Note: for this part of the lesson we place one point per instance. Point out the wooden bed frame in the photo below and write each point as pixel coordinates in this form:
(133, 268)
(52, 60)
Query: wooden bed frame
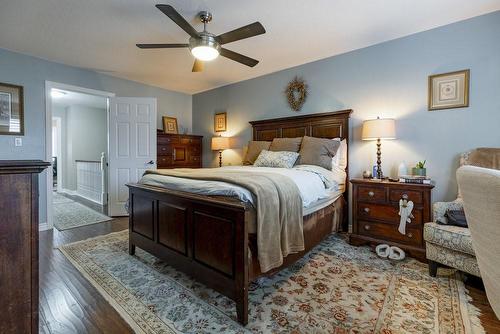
(206, 237)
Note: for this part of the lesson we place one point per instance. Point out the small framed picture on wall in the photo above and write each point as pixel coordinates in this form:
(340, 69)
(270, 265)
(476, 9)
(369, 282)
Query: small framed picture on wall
(220, 122)
(170, 125)
(449, 90)
(11, 110)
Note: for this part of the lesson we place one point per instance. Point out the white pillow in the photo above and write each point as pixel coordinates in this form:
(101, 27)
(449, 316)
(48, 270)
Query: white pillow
(340, 158)
(278, 159)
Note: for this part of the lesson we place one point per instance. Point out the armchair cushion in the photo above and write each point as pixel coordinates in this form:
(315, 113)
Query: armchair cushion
(439, 209)
(450, 237)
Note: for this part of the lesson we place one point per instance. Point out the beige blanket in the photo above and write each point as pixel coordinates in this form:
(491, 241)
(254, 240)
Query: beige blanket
(278, 207)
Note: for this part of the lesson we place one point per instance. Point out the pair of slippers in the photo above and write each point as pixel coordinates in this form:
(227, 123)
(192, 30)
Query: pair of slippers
(390, 252)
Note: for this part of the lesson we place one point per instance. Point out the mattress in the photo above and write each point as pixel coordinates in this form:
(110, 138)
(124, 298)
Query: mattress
(314, 183)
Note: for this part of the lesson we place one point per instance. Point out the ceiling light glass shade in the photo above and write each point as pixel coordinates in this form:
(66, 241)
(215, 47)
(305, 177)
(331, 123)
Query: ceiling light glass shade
(204, 48)
(205, 53)
(56, 93)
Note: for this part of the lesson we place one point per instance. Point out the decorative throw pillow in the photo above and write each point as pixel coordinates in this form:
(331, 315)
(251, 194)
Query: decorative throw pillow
(318, 151)
(286, 144)
(283, 159)
(340, 158)
(254, 149)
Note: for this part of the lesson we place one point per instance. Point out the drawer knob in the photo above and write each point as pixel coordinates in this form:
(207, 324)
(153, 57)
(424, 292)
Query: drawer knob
(371, 194)
(367, 210)
(410, 235)
(367, 227)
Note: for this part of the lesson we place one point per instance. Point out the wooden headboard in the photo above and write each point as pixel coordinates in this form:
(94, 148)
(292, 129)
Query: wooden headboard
(324, 125)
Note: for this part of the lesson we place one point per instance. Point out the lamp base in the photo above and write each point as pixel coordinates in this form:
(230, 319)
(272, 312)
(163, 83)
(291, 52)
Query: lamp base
(380, 174)
(220, 158)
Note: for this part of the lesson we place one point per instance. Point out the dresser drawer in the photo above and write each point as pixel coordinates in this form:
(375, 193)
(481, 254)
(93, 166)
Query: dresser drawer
(164, 150)
(195, 160)
(415, 196)
(371, 194)
(190, 141)
(386, 213)
(390, 232)
(164, 161)
(164, 140)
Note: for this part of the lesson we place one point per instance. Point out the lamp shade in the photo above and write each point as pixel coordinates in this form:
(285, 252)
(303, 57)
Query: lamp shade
(380, 128)
(220, 143)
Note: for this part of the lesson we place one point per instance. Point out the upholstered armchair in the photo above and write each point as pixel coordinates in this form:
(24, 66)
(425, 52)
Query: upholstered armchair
(481, 194)
(452, 245)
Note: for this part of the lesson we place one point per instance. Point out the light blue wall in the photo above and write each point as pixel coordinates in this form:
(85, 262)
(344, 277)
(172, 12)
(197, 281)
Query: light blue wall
(387, 80)
(32, 73)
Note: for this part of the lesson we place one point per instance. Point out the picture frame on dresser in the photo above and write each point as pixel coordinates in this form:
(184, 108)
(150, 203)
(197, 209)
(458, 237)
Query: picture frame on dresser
(170, 125)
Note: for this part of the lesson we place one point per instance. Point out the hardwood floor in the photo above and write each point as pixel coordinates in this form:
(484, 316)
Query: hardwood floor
(69, 304)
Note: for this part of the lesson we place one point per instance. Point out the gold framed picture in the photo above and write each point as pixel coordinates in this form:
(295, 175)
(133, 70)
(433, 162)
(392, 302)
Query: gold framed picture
(449, 90)
(170, 125)
(11, 110)
(220, 122)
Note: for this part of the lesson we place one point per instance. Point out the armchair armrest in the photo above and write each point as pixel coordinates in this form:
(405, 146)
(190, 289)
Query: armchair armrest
(439, 209)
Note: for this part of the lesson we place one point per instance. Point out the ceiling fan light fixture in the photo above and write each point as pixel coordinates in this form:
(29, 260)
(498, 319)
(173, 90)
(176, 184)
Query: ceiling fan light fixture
(205, 53)
(205, 48)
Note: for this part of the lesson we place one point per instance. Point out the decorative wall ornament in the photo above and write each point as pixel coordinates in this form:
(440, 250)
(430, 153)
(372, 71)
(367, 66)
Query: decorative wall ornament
(296, 93)
(449, 90)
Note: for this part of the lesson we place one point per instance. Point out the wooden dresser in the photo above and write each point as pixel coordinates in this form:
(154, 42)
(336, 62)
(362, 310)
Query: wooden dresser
(375, 212)
(179, 151)
(19, 245)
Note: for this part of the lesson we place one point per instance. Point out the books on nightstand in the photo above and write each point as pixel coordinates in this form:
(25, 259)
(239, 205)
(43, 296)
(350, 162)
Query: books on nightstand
(415, 179)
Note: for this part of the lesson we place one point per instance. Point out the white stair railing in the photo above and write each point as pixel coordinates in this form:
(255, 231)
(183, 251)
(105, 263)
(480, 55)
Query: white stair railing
(90, 180)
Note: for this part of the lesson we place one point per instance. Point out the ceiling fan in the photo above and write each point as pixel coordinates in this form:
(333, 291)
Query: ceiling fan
(206, 46)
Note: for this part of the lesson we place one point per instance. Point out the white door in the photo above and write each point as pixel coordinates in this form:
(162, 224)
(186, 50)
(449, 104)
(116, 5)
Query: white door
(132, 146)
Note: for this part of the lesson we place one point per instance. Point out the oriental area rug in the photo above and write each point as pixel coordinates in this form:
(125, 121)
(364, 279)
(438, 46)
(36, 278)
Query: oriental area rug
(335, 288)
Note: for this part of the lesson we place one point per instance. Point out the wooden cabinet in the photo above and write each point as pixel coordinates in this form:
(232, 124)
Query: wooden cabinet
(19, 245)
(179, 151)
(375, 212)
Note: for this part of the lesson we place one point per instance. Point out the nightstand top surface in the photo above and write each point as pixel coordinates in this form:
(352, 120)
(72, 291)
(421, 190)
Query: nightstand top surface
(390, 183)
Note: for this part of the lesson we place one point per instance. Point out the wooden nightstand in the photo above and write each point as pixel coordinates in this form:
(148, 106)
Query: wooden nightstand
(375, 214)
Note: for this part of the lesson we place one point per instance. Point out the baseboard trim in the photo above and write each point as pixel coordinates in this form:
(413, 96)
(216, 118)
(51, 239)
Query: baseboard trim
(43, 227)
(69, 192)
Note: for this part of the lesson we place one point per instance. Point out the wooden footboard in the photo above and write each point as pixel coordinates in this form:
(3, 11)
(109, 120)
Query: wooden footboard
(206, 238)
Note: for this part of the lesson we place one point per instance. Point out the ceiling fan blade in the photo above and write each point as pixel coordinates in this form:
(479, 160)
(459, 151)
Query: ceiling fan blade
(247, 31)
(178, 19)
(238, 57)
(198, 66)
(161, 46)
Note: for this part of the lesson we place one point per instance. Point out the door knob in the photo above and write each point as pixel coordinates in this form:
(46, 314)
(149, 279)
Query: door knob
(151, 162)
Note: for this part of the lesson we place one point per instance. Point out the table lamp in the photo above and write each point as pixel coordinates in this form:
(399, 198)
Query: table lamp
(220, 144)
(378, 129)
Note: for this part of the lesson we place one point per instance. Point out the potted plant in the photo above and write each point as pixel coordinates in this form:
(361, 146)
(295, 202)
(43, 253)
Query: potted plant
(420, 169)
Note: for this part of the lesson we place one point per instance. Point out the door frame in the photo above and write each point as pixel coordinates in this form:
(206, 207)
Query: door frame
(49, 85)
(59, 149)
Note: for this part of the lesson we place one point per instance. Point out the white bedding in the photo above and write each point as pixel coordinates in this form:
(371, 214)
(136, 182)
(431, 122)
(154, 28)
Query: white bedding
(315, 183)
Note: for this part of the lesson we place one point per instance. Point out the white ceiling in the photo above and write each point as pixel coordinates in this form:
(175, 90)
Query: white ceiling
(73, 98)
(101, 35)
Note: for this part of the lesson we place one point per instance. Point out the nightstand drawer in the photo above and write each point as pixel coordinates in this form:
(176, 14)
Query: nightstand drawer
(415, 196)
(371, 194)
(390, 232)
(386, 213)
